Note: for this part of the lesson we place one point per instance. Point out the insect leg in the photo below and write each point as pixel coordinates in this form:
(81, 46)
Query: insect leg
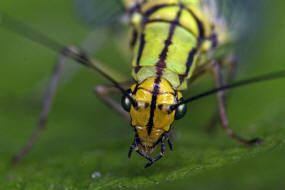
(135, 146)
(46, 106)
(130, 151)
(70, 70)
(162, 152)
(231, 62)
(103, 92)
(222, 109)
(168, 141)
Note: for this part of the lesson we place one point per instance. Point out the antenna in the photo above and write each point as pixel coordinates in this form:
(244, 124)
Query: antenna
(74, 53)
(245, 82)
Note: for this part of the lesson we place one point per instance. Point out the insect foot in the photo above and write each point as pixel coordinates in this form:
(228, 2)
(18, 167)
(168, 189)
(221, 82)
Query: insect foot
(149, 164)
(257, 141)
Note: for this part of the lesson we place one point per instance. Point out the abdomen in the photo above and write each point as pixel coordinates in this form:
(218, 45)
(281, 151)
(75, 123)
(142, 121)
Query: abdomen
(169, 36)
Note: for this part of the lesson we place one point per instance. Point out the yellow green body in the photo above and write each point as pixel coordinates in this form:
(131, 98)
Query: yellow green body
(168, 37)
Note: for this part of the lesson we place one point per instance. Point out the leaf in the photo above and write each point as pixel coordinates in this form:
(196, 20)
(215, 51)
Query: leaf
(85, 143)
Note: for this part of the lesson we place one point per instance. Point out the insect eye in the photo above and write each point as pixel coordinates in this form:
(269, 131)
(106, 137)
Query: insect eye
(126, 102)
(180, 111)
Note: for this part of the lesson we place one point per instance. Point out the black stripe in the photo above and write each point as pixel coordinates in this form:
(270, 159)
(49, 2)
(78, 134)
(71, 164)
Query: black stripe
(140, 52)
(136, 7)
(199, 23)
(155, 8)
(169, 22)
(152, 10)
(189, 63)
(150, 91)
(193, 52)
(160, 65)
(153, 104)
(142, 38)
(134, 38)
(136, 89)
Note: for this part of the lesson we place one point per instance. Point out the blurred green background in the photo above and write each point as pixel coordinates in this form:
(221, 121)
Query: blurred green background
(84, 136)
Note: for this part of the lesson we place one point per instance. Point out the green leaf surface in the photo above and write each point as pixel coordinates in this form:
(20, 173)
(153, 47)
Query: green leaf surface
(85, 143)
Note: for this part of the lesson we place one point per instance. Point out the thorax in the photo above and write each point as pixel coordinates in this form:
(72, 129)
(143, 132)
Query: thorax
(151, 118)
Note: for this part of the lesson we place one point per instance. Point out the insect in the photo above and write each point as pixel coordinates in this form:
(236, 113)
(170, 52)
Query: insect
(174, 42)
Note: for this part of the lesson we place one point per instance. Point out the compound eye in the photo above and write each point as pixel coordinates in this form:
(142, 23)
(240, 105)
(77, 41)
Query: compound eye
(180, 111)
(126, 102)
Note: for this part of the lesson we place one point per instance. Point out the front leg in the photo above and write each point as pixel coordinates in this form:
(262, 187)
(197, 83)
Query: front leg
(162, 149)
(103, 92)
(161, 154)
(222, 109)
(135, 146)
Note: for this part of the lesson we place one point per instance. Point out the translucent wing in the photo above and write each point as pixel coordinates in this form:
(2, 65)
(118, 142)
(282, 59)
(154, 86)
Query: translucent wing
(106, 17)
(103, 15)
(239, 20)
(243, 16)
(100, 13)
(240, 17)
